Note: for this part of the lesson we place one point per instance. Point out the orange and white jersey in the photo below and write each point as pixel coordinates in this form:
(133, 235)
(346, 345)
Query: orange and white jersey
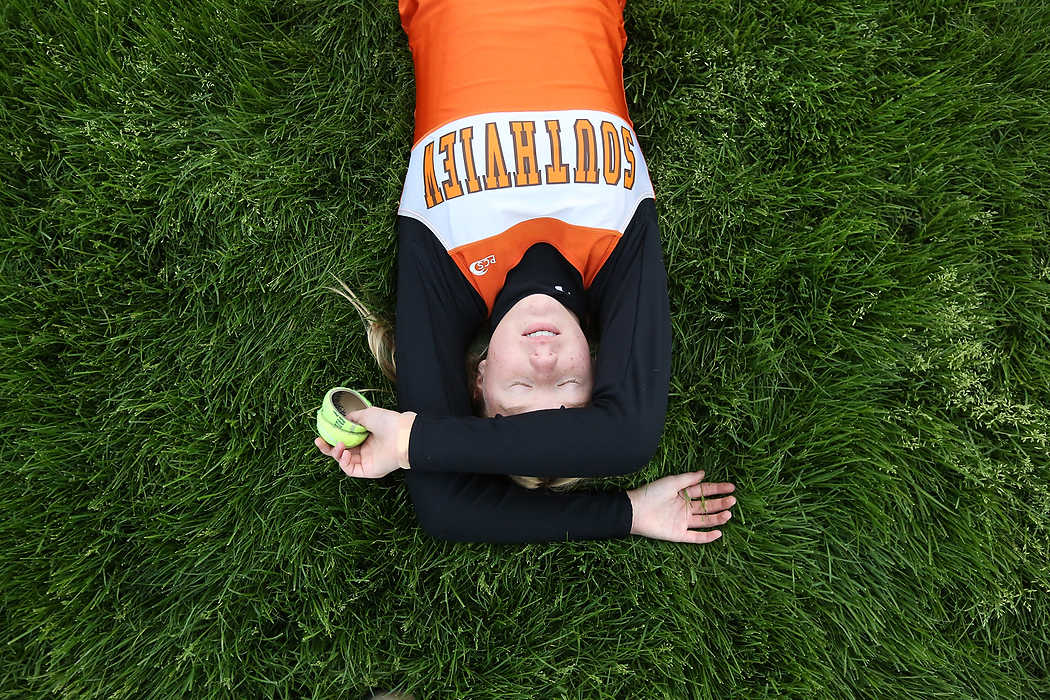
(522, 132)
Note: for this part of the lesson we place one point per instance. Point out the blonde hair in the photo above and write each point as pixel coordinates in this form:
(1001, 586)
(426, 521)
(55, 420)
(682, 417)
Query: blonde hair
(380, 336)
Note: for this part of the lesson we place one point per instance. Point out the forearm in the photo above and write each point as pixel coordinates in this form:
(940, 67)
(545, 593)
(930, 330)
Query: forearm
(581, 442)
(460, 507)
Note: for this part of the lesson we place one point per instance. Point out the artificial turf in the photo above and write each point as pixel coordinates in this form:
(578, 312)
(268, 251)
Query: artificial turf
(853, 206)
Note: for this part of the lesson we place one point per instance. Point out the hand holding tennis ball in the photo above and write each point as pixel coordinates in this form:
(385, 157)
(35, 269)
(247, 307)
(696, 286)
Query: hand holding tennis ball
(385, 450)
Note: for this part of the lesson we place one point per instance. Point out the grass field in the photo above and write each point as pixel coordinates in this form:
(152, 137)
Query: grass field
(853, 201)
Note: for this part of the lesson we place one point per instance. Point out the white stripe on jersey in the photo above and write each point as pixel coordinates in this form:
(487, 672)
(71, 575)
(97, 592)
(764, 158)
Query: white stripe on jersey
(463, 204)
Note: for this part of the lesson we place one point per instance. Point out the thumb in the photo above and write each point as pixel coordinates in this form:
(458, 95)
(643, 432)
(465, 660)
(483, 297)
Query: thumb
(682, 481)
(361, 417)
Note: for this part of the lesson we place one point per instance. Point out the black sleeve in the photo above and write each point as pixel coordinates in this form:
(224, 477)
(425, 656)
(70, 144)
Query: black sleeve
(438, 312)
(619, 432)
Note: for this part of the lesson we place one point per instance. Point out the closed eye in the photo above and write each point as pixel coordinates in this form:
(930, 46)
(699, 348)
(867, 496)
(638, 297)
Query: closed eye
(568, 381)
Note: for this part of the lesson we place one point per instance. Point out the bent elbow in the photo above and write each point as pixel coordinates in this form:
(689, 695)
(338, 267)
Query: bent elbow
(636, 449)
(436, 527)
(437, 533)
(426, 501)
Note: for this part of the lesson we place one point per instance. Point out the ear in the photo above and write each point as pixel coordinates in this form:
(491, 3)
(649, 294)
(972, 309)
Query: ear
(478, 394)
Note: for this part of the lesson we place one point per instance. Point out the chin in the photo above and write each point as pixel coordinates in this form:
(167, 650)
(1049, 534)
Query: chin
(541, 304)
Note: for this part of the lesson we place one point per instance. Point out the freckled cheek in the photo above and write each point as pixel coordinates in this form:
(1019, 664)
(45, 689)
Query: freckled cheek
(581, 357)
(580, 367)
(585, 367)
(495, 354)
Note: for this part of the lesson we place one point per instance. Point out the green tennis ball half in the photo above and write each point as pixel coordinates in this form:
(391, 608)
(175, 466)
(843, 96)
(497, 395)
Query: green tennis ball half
(333, 435)
(337, 405)
(332, 421)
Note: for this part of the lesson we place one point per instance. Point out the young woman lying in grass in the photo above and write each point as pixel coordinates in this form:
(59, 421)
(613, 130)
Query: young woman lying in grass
(528, 211)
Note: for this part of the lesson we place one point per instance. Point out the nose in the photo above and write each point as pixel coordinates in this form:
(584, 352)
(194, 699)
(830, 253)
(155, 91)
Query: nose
(543, 358)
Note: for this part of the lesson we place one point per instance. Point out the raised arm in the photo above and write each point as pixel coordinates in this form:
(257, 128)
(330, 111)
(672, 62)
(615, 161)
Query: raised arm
(619, 432)
(437, 314)
(490, 508)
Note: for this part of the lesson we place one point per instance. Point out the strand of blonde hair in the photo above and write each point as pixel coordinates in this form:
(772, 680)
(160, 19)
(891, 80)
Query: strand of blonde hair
(380, 335)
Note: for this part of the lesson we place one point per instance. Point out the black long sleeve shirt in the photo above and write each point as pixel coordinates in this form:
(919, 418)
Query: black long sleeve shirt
(458, 480)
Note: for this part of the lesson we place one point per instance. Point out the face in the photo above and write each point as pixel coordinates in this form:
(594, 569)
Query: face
(523, 373)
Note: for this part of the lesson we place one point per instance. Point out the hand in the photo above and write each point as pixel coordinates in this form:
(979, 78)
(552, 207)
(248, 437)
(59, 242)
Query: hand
(662, 513)
(383, 451)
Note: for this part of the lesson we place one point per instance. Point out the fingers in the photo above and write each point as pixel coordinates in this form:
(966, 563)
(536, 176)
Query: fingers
(706, 511)
(714, 520)
(712, 505)
(349, 459)
(351, 463)
(703, 537)
(339, 453)
(710, 489)
(330, 450)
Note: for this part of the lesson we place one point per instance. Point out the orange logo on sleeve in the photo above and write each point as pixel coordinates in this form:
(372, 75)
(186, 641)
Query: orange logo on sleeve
(480, 267)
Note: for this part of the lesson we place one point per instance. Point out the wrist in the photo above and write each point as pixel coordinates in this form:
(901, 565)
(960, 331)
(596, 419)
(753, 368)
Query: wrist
(635, 507)
(404, 433)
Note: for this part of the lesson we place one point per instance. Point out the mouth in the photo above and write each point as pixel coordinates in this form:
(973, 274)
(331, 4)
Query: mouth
(541, 331)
